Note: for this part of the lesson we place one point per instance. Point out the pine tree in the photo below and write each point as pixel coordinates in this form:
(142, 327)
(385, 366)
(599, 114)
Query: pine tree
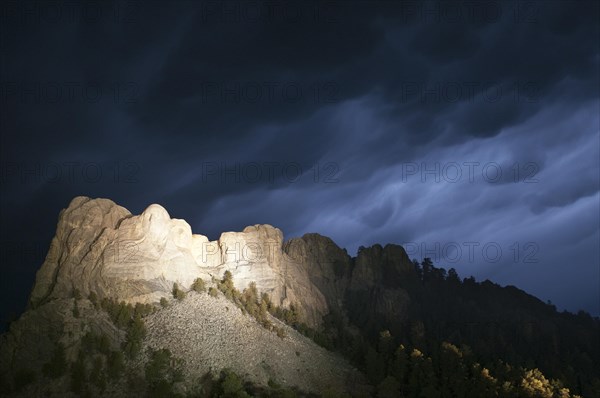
(198, 286)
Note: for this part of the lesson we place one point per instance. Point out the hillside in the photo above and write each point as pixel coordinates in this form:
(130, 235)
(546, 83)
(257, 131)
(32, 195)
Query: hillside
(128, 305)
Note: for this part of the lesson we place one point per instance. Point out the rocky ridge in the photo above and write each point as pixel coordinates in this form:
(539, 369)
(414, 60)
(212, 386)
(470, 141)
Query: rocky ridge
(102, 250)
(101, 247)
(211, 333)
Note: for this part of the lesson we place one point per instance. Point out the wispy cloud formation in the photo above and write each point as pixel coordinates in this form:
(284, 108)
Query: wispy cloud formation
(367, 122)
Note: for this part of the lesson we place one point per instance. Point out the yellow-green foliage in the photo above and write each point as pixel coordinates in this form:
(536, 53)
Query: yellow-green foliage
(164, 302)
(135, 334)
(129, 318)
(291, 315)
(231, 385)
(198, 286)
(162, 371)
(178, 293)
(226, 286)
(534, 384)
(249, 302)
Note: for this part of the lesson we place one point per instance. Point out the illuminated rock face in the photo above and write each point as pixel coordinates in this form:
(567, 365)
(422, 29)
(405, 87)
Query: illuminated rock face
(101, 247)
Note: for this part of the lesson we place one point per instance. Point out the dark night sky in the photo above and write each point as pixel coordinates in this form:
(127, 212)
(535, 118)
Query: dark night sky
(329, 117)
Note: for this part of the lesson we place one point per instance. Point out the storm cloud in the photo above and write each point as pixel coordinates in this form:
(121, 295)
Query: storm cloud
(469, 132)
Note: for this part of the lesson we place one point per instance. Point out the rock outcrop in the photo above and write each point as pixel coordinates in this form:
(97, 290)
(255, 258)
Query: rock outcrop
(101, 250)
(69, 340)
(101, 247)
(212, 334)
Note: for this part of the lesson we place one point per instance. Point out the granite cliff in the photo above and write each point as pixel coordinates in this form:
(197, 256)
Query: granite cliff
(103, 252)
(101, 247)
(137, 305)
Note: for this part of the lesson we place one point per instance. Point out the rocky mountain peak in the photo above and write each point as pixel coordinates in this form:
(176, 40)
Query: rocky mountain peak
(103, 258)
(101, 247)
